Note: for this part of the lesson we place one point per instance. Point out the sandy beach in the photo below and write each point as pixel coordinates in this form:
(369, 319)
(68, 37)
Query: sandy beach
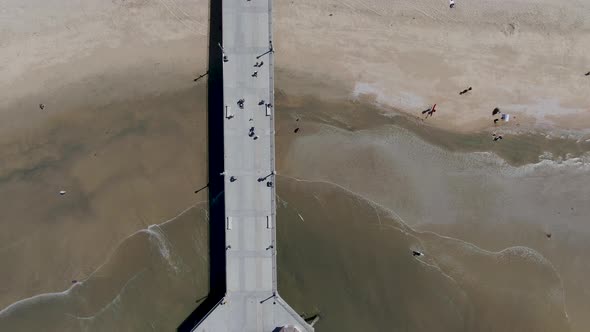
(526, 57)
(123, 132)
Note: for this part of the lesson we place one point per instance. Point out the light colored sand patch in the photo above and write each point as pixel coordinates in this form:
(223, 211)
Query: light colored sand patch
(403, 99)
(510, 52)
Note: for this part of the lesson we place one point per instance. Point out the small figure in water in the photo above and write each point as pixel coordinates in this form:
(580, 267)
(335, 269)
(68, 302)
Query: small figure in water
(417, 253)
(497, 137)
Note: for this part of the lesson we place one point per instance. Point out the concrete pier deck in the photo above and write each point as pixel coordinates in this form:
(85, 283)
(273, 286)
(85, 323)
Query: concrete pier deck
(251, 302)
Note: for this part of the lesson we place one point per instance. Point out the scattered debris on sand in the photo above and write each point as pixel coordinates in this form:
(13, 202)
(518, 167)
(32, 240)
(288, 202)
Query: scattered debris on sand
(201, 76)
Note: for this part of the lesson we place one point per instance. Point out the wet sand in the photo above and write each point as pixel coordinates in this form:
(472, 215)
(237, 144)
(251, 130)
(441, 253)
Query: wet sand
(457, 190)
(114, 161)
(361, 114)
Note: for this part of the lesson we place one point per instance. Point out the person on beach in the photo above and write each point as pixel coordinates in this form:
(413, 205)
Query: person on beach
(451, 3)
(496, 111)
(465, 91)
(431, 111)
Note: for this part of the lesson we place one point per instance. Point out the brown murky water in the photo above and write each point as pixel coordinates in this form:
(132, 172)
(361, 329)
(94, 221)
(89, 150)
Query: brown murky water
(344, 255)
(340, 256)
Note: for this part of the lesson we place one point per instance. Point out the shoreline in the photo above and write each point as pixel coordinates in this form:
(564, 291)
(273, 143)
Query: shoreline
(94, 312)
(49, 162)
(531, 147)
(159, 116)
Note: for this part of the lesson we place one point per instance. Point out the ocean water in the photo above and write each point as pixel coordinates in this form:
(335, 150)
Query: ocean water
(340, 255)
(358, 191)
(151, 282)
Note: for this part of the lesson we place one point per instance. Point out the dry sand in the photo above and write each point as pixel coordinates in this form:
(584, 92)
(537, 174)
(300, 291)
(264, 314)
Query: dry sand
(123, 132)
(527, 57)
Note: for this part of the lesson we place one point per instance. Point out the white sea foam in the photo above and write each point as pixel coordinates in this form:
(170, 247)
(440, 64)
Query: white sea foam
(154, 231)
(33, 300)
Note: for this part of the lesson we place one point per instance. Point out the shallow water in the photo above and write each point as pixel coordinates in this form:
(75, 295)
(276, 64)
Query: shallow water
(350, 260)
(474, 196)
(340, 254)
(152, 281)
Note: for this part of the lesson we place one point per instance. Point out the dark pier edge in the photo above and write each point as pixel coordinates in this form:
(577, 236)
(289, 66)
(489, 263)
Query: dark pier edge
(217, 286)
